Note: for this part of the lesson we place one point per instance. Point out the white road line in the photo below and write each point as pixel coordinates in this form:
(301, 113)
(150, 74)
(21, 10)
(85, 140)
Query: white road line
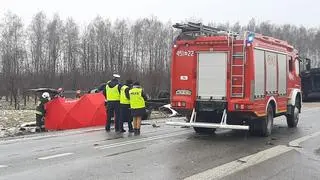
(309, 109)
(49, 135)
(251, 160)
(55, 156)
(3, 166)
(140, 140)
(296, 143)
(237, 165)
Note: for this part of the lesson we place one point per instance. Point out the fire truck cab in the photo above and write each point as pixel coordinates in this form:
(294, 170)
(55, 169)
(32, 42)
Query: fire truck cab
(221, 79)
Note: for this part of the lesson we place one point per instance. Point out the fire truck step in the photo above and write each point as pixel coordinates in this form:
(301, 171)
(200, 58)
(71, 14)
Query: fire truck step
(236, 86)
(237, 95)
(238, 55)
(209, 125)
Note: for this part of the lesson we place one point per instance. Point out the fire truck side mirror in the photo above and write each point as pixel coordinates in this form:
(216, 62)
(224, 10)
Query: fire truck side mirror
(308, 64)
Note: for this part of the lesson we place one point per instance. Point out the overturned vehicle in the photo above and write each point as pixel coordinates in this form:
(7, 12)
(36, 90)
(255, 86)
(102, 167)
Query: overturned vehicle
(310, 81)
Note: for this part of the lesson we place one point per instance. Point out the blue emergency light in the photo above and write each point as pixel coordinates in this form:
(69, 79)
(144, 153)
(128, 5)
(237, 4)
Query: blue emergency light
(250, 38)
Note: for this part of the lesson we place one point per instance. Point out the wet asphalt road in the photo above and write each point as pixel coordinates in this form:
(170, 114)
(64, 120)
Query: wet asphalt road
(160, 153)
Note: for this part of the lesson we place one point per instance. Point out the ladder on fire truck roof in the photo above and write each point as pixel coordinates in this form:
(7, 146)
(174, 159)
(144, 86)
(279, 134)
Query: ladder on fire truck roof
(235, 76)
(191, 27)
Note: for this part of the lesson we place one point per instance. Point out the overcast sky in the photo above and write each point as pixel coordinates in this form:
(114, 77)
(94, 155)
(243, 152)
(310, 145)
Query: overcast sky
(298, 12)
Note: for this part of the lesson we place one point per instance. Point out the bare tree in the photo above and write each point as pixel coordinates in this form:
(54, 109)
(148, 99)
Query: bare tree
(38, 46)
(54, 39)
(71, 53)
(12, 54)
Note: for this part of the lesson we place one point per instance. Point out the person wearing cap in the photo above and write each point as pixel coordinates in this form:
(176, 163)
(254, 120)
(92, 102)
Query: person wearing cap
(137, 105)
(112, 95)
(125, 114)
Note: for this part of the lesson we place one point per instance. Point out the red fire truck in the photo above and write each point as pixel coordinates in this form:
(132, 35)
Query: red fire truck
(221, 79)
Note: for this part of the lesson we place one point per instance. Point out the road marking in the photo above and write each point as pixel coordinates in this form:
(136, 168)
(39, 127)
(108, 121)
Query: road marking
(55, 156)
(248, 161)
(3, 166)
(140, 140)
(310, 109)
(296, 143)
(240, 164)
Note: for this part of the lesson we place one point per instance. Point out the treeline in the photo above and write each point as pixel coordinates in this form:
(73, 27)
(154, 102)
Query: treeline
(58, 53)
(61, 53)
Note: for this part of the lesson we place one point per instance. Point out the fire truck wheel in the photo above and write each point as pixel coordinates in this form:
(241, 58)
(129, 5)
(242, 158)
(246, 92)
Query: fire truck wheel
(204, 130)
(267, 122)
(293, 118)
(263, 126)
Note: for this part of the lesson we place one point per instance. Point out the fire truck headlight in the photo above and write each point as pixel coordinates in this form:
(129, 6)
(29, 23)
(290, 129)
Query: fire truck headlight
(183, 92)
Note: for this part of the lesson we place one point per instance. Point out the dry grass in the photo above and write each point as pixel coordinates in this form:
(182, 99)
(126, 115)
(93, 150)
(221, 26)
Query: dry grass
(14, 118)
(11, 120)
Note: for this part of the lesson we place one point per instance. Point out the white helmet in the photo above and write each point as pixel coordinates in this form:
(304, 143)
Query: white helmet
(116, 75)
(46, 95)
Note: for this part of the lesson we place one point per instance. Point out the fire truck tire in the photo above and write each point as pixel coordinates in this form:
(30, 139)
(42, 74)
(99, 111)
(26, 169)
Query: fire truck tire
(293, 118)
(263, 126)
(267, 122)
(204, 130)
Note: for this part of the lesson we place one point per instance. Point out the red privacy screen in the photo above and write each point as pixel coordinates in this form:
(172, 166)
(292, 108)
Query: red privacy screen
(87, 111)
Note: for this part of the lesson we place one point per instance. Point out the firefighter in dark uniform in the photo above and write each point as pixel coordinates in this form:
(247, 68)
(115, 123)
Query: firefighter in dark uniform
(137, 105)
(40, 111)
(112, 94)
(125, 113)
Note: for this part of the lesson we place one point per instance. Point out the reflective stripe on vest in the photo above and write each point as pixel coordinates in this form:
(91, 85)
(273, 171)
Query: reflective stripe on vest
(136, 99)
(123, 97)
(112, 93)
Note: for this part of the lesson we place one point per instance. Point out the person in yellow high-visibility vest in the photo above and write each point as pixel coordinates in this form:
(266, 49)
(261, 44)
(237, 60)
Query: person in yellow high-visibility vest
(112, 94)
(137, 105)
(125, 113)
